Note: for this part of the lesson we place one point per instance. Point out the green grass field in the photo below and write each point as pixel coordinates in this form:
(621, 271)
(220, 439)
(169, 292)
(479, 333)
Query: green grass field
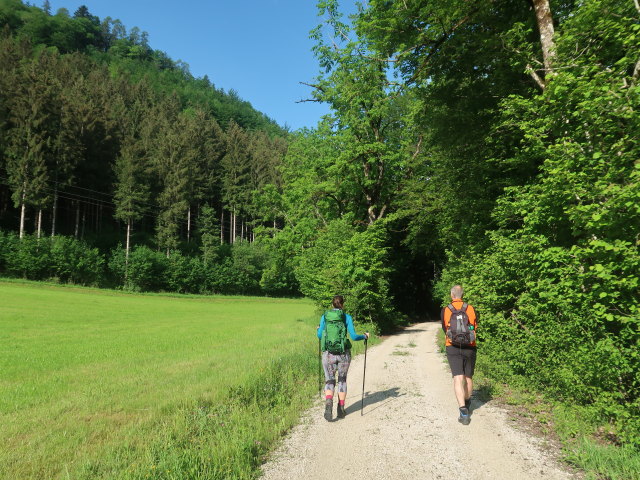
(102, 384)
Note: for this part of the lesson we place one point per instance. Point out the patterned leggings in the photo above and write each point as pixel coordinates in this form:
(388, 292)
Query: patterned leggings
(336, 363)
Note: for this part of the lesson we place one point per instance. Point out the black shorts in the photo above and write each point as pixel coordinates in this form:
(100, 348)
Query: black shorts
(462, 360)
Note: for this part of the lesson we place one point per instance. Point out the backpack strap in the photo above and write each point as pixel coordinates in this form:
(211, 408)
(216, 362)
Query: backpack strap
(464, 307)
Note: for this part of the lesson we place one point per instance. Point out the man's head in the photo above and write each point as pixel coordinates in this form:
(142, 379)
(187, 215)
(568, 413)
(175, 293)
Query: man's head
(456, 292)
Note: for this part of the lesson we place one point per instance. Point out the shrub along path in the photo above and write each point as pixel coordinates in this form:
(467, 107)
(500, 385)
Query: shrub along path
(409, 429)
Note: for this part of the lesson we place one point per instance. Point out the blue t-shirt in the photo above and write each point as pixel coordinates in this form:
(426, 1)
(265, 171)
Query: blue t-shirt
(350, 328)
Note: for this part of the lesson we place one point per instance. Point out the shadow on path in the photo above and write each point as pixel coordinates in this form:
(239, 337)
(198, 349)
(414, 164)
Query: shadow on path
(407, 331)
(381, 398)
(479, 399)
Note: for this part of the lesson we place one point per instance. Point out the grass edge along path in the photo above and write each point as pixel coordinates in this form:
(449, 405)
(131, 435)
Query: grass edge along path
(584, 445)
(201, 427)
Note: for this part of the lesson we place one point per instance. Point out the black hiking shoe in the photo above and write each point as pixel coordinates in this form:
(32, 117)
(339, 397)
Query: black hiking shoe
(328, 411)
(341, 411)
(464, 417)
(467, 403)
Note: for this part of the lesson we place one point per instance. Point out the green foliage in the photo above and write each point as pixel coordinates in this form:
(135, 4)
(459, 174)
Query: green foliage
(73, 261)
(27, 258)
(248, 263)
(58, 258)
(186, 274)
(278, 277)
(350, 263)
(145, 271)
(209, 229)
(558, 286)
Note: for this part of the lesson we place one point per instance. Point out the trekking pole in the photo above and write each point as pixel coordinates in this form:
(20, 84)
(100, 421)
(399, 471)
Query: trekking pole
(319, 370)
(363, 375)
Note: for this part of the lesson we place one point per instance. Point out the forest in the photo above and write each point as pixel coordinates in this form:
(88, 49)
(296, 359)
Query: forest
(492, 144)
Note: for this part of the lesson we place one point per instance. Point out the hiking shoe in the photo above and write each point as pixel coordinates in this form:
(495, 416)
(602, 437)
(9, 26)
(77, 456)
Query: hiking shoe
(467, 403)
(464, 417)
(341, 411)
(328, 412)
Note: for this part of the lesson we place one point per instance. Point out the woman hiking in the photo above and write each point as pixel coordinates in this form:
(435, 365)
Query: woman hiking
(336, 353)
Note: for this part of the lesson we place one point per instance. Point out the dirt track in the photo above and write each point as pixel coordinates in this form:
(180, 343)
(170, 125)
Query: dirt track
(409, 427)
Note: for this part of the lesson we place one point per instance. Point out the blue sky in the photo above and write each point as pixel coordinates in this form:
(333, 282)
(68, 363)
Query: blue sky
(260, 48)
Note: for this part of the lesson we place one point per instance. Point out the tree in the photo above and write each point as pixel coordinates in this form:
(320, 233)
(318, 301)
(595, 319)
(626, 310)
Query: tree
(209, 228)
(235, 175)
(172, 166)
(34, 123)
(367, 114)
(132, 189)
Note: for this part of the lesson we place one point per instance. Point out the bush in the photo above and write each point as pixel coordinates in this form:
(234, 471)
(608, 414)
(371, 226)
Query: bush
(73, 261)
(28, 258)
(186, 274)
(564, 318)
(278, 277)
(145, 271)
(60, 258)
(238, 270)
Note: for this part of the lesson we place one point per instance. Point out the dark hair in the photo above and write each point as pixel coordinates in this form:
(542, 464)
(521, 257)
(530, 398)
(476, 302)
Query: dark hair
(338, 302)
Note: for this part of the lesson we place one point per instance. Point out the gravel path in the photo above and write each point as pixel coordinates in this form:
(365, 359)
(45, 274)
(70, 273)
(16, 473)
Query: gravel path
(409, 427)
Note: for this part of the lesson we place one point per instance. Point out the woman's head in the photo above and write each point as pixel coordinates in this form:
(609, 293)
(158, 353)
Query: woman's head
(338, 302)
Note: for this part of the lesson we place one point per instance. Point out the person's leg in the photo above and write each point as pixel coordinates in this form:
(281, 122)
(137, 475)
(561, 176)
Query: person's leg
(329, 364)
(469, 366)
(457, 364)
(343, 368)
(468, 389)
(459, 388)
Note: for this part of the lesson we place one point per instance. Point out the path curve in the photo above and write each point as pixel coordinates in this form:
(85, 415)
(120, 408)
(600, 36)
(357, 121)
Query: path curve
(409, 427)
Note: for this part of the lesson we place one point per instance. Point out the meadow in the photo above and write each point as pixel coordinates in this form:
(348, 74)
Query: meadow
(104, 384)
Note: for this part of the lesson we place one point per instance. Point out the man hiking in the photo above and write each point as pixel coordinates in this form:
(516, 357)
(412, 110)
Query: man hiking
(459, 322)
(336, 353)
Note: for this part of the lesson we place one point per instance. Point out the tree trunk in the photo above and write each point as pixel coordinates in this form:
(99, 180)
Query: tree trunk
(126, 255)
(23, 209)
(189, 224)
(77, 229)
(222, 227)
(233, 226)
(54, 212)
(84, 222)
(545, 26)
(126, 252)
(39, 228)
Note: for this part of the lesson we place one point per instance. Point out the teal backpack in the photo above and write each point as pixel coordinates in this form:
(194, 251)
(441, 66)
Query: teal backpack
(334, 337)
